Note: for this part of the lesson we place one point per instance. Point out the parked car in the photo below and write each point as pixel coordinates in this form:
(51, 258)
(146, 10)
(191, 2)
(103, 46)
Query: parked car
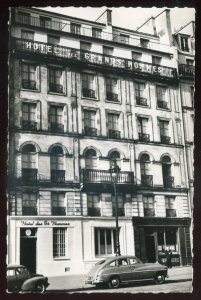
(19, 279)
(116, 270)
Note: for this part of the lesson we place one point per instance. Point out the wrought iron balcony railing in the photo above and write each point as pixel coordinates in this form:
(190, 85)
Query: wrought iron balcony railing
(88, 93)
(171, 213)
(104, 176)
(144, 137)
(29, 175)
(94, 58)
(28, 84)
(94, 211)
(58, 211)
(56, 88)
(56, 127)
(165, 139)
(112, 97)
(120, 211)
(162, 104)
(114, 134)
(141, 101)
(90, 131)
(168, 181)
(149, 212)
(29, 125)
(187, 70)
(29, 211)
(147, 180)
(58, 176)
(89, 32)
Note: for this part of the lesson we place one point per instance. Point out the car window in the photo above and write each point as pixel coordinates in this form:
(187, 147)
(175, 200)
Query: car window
(133, 261)
(10, 272)
(122, 262)
(22, 271)
(113, 264)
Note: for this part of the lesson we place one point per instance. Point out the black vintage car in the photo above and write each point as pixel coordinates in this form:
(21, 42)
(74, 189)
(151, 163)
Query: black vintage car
(19, 279)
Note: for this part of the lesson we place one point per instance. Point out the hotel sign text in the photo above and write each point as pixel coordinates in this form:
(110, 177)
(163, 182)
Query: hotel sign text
(43, 223)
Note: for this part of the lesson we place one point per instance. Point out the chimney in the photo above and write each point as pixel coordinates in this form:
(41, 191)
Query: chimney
(109, 17)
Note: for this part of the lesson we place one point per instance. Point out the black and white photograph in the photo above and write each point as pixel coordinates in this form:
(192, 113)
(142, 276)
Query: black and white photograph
(100, 149)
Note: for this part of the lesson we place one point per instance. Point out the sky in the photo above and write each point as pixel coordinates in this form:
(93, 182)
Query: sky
(130, 17)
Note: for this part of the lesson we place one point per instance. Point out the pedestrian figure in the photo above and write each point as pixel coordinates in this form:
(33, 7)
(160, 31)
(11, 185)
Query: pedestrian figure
(168, 258)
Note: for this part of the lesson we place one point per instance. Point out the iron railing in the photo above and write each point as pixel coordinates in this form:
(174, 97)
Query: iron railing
(28, 84)
(58, 176)
(90, 131)
(187, 70)
(112, 97)
(29, 211)
(165, 139)
(120, 211)
(56, 127)
(99, 176)
(94, 211)
(162, 104)
(56, 88)
(149, 212)
(29, 125)
(114, 134)
(171, 213)
(141, 101)
(88, 93)
(147, 180)
(144, 137)
(168, 181)
(29, 175)
(58, 211)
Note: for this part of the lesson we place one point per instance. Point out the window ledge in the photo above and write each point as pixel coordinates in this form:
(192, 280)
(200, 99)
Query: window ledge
(30, 90)
(88, 98)
(145, 106)
(61, 258)
(115, 102)
(54, 93)
(164, 109)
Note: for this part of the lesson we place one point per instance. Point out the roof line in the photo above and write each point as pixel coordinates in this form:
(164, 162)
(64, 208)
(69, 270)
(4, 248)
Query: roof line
(183, 27)
(151, 18)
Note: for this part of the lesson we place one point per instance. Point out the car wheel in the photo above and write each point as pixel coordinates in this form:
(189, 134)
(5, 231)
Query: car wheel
(40, 287)
(159, 278)
(114, 282)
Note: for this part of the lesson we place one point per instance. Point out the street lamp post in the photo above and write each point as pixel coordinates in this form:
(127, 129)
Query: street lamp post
(114, 171)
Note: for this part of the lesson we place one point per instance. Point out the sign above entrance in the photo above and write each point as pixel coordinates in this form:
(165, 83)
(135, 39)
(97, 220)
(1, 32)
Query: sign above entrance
(43, 223)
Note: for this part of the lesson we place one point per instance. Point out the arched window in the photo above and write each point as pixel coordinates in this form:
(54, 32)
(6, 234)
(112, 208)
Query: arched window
(146, 178)
(90, 159)
(168, 179)
(57, 164)
(29, 163)
(115, 156)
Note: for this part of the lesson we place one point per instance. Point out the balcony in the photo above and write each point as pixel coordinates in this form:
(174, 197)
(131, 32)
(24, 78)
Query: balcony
(28, 84)
(165, 139)
(187, 70)
(56, 127)
(149, 212)
(147, 180)
(56, 88)
(144, 137)
(114, 134)
(29, 211)
(112, 97)
(168, 181)
(92, 58)
(171, 213)
(29, 176)
(162, 104)
(88, 93)
(58, 176)
(120, 211)
(90, 131)
(58, 211)
(104, 176)
(89, 32)
(141, 101)
(29, 125)
(94, 211)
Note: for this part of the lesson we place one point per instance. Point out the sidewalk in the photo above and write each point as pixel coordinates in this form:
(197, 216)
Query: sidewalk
(71, 282)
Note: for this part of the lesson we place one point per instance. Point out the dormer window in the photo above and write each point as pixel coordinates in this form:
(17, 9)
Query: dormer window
(184, 43)
(156, 60)
(75, 28)
(96, 33)
(124, 38)
(144, 43)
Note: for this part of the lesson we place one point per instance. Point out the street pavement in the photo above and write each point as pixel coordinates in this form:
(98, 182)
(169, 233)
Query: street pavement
(180, 280)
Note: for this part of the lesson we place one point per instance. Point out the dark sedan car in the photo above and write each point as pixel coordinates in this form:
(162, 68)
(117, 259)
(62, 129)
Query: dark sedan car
(124, 269)
(19, 279)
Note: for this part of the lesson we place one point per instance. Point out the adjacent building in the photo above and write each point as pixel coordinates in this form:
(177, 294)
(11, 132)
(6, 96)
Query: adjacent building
(82, 95)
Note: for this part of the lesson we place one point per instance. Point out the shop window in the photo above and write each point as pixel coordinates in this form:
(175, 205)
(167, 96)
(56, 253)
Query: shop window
(105, 241)
(29, 76)
(113, 126)
(88, 86)
(107, 50)
(58, 205)
(56, 80)
(164, 132)
(59, 242)
(140, 94)
(167, 239)
(57, 164)
(112, 89)
(184, 43)
(93, 205)
(170, 207)
(96, 33)
(27, 35)
(52, 39)
(149, 209)
(90, 159)
(161, 97)
(29, 204)
(29, 116)
(75, 28)
(142, 129)
(90, 123)
(136, 55)
(56, 118)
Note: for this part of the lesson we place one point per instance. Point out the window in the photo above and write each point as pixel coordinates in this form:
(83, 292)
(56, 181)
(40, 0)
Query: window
(93, 204)
(105, 241)
(96, 33)
(184, 44)
(107, 50)
(170, 207)
(136, 55)
(164, 132)
(55, 80)
(88, 85)
(140, 93)
(189, 62)
(120, 206)
(29, 204)
(28, 35)
(28, 76)
(113, 126)
(148, 202)
(45, 22)
(85, 46)
(144, 43)
(24, 18)
(168, 180)
(114, 157)
(124, 38)
(156, 60)
(146, 179)
(52, 39)
(58, 205)
(75, 28)
(112, 90)
(56, 118)
(167, 239)
(57, 164)
(161, 97)
(29, 116)
(89, 123)
(59, 242)
(29, 157)
(142, 129)
(90, 159)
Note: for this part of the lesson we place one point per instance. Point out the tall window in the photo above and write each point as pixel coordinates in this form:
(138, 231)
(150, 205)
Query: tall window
(184, 43)
(105, 241)
(164, 131)
(59, 242)
(89, 122)
(55, 80)
(52, 39)
(29, 157)
(148, 202)
(45, 22)
(28, 35)
(136, 55)
(146, 179)
(29, 203)
(142, 129)
(29, 116)
(120, 206)
(112, 89)
(57, 164)
(28, 76)
(107, 50)
(140, 94)
(75, 28)
(96, 33)
(115, 157)
(90, 159)
(113, 126)
(124, 38)
(156, 60)
(56, 118)
(170, 206)
(93, 204)
(161, 97)
(58, 205)
(88, 85)
(168, 180)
